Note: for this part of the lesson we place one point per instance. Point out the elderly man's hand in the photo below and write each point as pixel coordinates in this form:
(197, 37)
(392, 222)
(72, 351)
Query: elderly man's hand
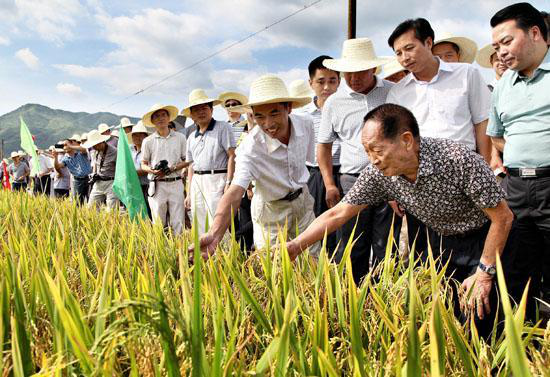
(481, 284)
(207, 245)
(398, 209)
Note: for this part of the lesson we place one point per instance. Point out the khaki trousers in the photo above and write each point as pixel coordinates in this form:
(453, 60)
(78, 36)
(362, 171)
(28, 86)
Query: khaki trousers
(168, 199)
(206, 191)
(269, 217)
(102, 193)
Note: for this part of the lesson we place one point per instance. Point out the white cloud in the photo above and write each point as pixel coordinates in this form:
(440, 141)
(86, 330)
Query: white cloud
(69, 89)
(28, 58)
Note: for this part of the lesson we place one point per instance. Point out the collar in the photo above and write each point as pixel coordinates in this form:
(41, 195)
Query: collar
(234, 123)
(544, 66)
(273, 144)
(442, 66)
(378, 84)
(209, 128)
(170, 133)
(312, 108)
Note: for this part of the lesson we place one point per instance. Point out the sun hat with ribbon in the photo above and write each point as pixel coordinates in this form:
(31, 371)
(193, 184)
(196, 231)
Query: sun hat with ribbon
(392, 68)
(172, 113)
(358, 54)
(103, 127)
(225, 96)
(467, 47)
(484, 56)
(300, 88)
(125, 122)
(139, 128)
(198, 97)
(270, 89)
(95, 138)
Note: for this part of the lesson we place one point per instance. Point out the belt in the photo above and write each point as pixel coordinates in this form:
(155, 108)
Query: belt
(105, 178)
(528, 172)
(336, 168)
(210, 172)
(169, 179)
(81, 178)
(350, 174)
(292, 195)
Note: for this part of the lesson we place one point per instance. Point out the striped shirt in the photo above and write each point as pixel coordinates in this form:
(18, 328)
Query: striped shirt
(210, 150)
(237, 128)
(342, 118)
(78, 164)
(314, 112)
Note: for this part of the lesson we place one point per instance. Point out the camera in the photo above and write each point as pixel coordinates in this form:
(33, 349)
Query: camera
(59, 146)
(93, 179)
(163, 167)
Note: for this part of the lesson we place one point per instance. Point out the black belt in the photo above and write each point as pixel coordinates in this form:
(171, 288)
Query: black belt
(292, 196)
(105, 178)
(210, 172)
(81, 178)
(528, 172)
(170, 179)
(351, 174)
(311, 168)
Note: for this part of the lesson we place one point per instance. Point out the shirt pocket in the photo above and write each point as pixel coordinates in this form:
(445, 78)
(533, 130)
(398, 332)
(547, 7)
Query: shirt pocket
(453, 106)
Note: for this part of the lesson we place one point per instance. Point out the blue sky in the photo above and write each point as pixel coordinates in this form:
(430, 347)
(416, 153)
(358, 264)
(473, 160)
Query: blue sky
(85, 55)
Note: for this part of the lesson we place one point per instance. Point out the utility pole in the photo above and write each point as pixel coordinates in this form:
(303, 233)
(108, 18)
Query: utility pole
(2, 150)
(351, 19)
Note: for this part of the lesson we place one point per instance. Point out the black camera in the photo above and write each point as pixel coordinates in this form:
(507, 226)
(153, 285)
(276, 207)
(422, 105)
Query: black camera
(93, 179)
(163, 167)
(59, 146)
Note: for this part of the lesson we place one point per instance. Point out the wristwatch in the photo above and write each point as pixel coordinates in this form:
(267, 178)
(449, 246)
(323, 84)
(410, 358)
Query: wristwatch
(489, 269)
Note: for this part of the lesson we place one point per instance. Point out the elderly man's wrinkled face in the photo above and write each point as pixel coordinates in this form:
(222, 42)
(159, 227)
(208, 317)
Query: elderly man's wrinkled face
(201, 114)
(412, 54)
(446, 51)
(160, 118)
(273, 119)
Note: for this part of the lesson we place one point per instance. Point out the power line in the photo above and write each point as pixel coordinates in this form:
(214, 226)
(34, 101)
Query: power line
(217, 52)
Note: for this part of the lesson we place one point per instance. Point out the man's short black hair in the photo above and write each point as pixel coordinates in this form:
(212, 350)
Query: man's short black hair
(317, 64)
(525, 16)
(395, 120)
(545, 16)
(420, 26)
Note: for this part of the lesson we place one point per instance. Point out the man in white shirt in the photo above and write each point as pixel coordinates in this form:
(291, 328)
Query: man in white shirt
(42, 180)
(274, 155)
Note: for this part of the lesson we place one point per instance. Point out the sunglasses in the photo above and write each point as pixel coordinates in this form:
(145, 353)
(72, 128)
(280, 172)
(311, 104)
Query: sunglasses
(229, 104)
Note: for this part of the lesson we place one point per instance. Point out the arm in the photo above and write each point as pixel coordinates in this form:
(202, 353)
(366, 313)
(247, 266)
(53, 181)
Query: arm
(483, 142)
(496, 161)
(187, 200)
(78, 149)
(231, 168)
(228, 205)
(57, 165)
(499, 143)
(325, 162)
(326, 222)
(501, 219)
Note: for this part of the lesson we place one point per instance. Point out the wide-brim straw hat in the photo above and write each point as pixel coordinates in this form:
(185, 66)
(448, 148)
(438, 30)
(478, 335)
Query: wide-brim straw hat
(172, 113)
(270, 89)
(125, 122)
(14, 154)
(225, 96)
(467, 47)
(83, 137)
(300, 88)
(392, 68)
(198, 97)
(139, 128)
(103, 127)
(358, 54)
(484, 55)
(95, 138)
(75, 137)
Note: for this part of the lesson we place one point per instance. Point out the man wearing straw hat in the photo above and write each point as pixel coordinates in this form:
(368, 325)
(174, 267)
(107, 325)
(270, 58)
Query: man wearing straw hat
(323, 82)
(19, 171)
(61, 178)
(105, 129)
(393, 71)
(341, 119)
(77, 161)
(487, 58)
(238, 122)
(104, 159)
(453, 49)
(211, 153)
(274, 156)
(138, 133)
(163, 157)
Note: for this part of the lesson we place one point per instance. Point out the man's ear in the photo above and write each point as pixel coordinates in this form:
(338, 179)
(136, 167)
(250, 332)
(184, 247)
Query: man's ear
(407, 139)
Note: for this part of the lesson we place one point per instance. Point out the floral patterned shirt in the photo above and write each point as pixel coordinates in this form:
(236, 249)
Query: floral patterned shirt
(453, 185)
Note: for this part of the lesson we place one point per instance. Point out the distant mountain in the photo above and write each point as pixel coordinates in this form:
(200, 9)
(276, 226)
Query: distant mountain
(48, 126)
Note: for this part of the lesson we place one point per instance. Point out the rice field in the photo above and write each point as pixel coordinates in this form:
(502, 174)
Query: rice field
(88, 293)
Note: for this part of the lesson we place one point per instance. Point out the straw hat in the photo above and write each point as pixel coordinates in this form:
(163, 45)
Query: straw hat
(14, 154)
(21, 153)
(357, 55)
(125, 122)
(484, 56)
(76, 138)
(139, 128)
(467, 47)
(391, 68)
(103, 127)
(172, 113)
(270, 89)
(95, 138)
(225, 96)
(83, 137)
(300, 88)
(198, 97)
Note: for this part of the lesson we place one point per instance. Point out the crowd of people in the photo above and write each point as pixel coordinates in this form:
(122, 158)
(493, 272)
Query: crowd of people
(418, 138)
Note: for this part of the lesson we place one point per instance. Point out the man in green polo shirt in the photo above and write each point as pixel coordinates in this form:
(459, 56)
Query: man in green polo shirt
(519, 126)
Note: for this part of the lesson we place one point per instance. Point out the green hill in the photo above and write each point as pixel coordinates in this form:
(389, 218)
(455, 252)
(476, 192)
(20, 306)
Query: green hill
(48, 126)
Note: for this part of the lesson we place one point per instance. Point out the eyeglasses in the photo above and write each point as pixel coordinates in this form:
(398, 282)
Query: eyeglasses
(229, 104)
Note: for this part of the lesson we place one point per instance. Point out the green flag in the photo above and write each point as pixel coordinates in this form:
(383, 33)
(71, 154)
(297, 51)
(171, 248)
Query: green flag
(127, 184)
(27, 144)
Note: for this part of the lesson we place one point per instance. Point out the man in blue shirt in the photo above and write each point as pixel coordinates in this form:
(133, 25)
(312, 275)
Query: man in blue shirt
(76, 160)
(519, 127)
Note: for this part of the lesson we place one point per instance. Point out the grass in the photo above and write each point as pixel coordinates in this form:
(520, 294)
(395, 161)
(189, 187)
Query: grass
(88, 293)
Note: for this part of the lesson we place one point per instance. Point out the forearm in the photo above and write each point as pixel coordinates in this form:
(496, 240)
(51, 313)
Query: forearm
(483, 141)
(499, 143)
(325, 162)
(189, 178)
(146, 167)
(228, 205)
(231, 168)
(497, 236)
(79, 149)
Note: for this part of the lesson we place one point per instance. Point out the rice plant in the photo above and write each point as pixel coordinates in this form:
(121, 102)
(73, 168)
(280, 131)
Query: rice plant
(92, 293)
